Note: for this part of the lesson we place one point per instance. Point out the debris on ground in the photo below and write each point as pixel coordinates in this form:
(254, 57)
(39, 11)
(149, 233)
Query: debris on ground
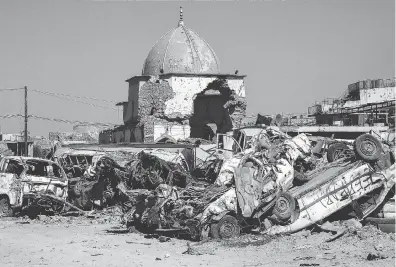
(376, 256)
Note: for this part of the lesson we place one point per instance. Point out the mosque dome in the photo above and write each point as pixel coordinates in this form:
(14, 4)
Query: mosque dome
(181, 50)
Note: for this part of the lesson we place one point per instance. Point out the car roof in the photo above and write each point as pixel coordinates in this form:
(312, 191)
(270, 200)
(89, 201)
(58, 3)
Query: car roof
(20, 158)
(82, 153)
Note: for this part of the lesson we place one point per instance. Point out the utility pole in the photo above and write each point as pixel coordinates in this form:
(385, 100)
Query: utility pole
(26, 123)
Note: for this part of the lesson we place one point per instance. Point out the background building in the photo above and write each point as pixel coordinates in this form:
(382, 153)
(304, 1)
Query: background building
(365, 103)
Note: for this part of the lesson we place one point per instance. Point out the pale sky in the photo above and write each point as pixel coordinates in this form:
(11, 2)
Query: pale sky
(294, 52)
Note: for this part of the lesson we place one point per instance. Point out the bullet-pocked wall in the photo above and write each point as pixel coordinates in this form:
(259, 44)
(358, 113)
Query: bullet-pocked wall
(206, 103)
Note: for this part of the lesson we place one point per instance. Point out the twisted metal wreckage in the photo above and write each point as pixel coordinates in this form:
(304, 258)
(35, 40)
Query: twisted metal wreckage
(264, 180)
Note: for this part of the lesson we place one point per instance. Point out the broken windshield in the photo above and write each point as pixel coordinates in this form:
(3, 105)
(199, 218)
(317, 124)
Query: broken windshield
(11, 166)
(44, 169)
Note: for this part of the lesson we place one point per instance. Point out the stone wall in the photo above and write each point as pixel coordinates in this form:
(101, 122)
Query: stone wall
(170, 105)
(186, 89)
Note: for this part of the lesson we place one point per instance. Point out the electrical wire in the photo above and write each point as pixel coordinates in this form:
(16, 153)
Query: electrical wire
(10, 116)
(10, 89)
(73, 100)
(75, 96)
(71, 121)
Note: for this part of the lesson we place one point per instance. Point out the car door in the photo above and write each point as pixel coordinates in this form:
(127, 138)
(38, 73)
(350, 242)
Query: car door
(10, 184)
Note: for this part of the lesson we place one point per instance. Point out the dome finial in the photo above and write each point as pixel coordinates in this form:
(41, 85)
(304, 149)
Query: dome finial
(181, 17)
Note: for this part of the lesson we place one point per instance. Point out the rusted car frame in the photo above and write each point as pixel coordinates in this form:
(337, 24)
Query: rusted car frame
(345, 182)
(23, 178)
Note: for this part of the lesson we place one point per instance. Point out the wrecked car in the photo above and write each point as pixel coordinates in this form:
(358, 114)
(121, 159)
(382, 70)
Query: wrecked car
(360, 183)
(258, 179)
(23, 179)
(199, 205)
(237, 141)
(264, 144)
(99, 185)
(75, 163)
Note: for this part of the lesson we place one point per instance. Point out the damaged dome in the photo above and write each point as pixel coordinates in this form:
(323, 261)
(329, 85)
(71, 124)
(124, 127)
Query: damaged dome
(181, 50)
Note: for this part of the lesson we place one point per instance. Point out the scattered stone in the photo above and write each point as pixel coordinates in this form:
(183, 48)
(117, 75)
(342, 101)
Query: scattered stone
(164, 239)
(300, 258)
(302, 247)
(42, 218)
(306, 233)
(379, 247)
(195, 250)
(352, 223)
(23, 222)
(335, 236)
(375, 256)
(149, 236)
(140, 243)
(330, 227)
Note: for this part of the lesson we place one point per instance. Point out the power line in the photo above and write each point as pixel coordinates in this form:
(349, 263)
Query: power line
(70, 121)
(68, 95)
(11, 116)
(73, 100)
(11, 89)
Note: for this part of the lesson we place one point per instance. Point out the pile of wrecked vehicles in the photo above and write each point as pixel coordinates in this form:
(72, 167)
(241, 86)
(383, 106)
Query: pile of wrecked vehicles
(81, 179)
(257, 178)
(275, 184)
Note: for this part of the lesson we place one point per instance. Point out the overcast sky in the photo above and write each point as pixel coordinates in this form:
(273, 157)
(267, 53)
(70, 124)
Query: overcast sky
(294, 52)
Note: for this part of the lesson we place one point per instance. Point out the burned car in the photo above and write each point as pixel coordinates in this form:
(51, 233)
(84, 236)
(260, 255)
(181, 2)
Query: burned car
(357, 184)
(198, 205)
(75, 163)
(23, 179)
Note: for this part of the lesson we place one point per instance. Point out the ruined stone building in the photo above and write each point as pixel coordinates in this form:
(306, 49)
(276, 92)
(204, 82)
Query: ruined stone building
(180, 93)
(364, 103)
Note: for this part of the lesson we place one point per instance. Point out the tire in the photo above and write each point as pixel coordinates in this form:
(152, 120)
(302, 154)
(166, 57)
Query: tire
(285, 206)
(227, 227)
(367, 147)
(5, 208)
(334, 151)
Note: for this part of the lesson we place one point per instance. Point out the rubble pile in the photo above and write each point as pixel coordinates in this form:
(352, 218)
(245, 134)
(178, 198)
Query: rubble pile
(272, 183)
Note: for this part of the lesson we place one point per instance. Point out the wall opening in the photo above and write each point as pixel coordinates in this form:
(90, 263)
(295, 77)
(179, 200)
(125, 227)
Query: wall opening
(210, 114)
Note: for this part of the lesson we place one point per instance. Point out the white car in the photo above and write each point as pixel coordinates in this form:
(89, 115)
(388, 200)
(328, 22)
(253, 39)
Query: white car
(24, 178)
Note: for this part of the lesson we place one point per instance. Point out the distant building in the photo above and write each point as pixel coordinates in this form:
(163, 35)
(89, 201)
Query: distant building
(16, 143)
(365, 103)
(180, 93)
(83, 133)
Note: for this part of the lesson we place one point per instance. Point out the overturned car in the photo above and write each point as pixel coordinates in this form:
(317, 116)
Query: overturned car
(356, 184)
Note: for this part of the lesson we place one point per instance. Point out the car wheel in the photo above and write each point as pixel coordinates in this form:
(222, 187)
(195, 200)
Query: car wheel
(367, 147)
(227, 227)
(336, 151)
(5, 208)
(285, 206)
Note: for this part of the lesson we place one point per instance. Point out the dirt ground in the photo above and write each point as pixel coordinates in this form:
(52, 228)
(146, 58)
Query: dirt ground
(82, 242)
